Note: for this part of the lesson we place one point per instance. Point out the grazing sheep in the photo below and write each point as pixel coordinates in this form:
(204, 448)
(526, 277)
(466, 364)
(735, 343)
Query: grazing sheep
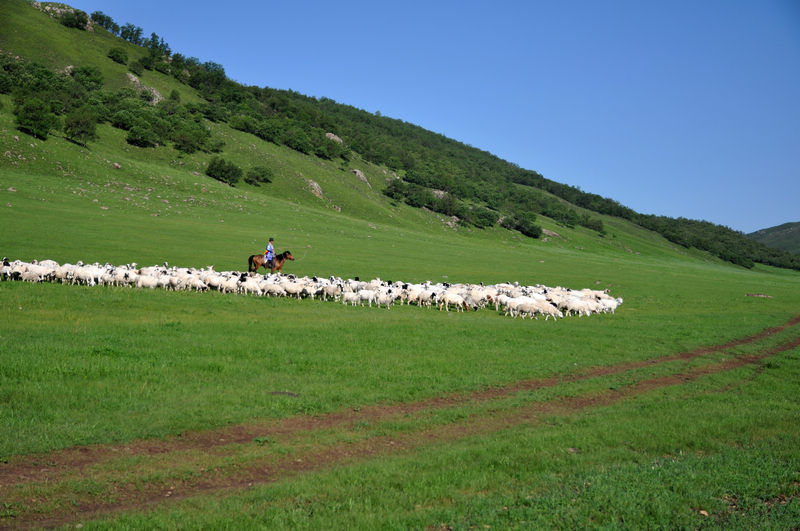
(455, 299)
(351, 298)
(512, 299)
(367, 295)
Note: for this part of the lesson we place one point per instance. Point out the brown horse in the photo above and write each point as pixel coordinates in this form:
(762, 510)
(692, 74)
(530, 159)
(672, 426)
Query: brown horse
(257, 260)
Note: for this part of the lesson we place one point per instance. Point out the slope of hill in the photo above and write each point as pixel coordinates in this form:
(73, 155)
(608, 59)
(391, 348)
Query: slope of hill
(785, 237)
(469, 187)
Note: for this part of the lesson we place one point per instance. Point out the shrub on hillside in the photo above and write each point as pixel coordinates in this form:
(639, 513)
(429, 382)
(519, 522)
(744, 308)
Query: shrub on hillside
(189, 136)
(89, 77)
(298, 140)
(482, 217)
(224, 171)
(527, 227)
(75, 19)
(123, 120)
(524, 223)
(142, 136)
(161, 66)
(80, 125)
(136, 67)
(594, 224)
(118, 55)
(35, 118)
(259, 174)
(148, 62)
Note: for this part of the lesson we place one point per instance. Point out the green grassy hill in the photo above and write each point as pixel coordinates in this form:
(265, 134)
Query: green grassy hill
(131, 408)
(202, 110)
(785, 237)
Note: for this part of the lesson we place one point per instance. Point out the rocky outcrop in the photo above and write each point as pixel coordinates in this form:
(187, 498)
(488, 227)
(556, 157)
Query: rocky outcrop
(156, 95)
(314, 188)
(58, 10)
(361, 176)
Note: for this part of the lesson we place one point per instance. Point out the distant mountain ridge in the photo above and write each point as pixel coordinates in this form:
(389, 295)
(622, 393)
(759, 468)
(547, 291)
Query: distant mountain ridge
(785, 237)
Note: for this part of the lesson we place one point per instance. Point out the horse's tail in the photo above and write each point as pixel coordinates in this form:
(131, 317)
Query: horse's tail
(251, 264)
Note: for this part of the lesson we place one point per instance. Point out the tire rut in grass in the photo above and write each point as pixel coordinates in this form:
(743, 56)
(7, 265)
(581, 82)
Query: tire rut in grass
(73, 463)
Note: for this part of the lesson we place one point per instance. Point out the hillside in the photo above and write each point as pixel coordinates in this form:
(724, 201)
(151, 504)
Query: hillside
(186, 106)
(785, 237)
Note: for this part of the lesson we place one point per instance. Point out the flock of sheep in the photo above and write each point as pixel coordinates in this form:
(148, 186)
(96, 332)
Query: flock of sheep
(510, 298)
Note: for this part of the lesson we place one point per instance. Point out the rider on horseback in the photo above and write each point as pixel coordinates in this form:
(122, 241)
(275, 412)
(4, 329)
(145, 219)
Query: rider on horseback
(269, 254)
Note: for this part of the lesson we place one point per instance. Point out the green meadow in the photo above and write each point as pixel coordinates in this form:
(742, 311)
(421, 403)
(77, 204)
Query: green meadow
(103, 365)
(626, 433)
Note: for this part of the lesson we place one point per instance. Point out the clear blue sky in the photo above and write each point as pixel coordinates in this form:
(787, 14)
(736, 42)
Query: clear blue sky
(680, 108)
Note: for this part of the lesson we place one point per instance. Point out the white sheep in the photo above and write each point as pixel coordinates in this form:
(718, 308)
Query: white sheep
(367, 295)
(453, 298)
(512, 298)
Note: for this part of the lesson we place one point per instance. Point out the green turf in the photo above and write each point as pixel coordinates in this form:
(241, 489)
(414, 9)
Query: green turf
(83, 365)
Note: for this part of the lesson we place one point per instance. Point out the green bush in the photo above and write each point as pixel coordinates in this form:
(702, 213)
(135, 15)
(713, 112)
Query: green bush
(141, 136)
(89, 77)
(123, 120)
(36, 118)
(136, 67)
(162, 67)
(527, 227)
(594, 224)
(75, 19)
(189, 136)
(224, 171)
(118, 55)
(483, 217)
(80, 125)
(259, 174)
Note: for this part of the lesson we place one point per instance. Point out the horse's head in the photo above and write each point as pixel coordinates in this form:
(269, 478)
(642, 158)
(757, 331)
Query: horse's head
(288, 255)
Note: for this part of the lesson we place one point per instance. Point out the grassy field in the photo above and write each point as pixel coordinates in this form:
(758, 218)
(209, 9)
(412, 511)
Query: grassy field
(122, 408)
(114, 367)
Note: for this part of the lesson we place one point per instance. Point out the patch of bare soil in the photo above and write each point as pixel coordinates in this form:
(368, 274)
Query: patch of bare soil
(127, 495)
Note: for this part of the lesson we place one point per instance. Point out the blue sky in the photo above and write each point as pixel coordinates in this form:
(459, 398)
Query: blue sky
(680, 108)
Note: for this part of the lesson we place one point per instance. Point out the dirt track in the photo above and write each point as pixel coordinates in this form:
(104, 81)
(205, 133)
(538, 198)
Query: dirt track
(315, 448)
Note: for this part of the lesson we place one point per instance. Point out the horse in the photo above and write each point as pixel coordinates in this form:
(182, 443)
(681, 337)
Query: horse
(257, 260)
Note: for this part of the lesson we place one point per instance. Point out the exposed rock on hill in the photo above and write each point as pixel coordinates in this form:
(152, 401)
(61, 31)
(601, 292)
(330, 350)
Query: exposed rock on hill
(361, 176)
(57, 11)
(156, 95)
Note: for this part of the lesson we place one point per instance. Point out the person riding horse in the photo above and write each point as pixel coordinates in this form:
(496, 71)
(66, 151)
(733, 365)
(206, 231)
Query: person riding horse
(269, 253)
(257, 261)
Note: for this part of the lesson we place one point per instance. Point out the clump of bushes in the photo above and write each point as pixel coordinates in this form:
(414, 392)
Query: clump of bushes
(118, 55)
(259, 174)
(224, 171)
(35, 118)
(75, 19)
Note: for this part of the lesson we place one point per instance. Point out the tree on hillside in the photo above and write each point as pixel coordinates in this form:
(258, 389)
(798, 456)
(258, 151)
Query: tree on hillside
(80, 125)
(189, 135)
(105, 21)
(132, 34)
(156, 46)
(75, 19)
(136, 67)
(35, 118)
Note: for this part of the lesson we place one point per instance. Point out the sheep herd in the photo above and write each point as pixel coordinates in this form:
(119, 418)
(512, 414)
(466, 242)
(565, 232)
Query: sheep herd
(510, 299)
